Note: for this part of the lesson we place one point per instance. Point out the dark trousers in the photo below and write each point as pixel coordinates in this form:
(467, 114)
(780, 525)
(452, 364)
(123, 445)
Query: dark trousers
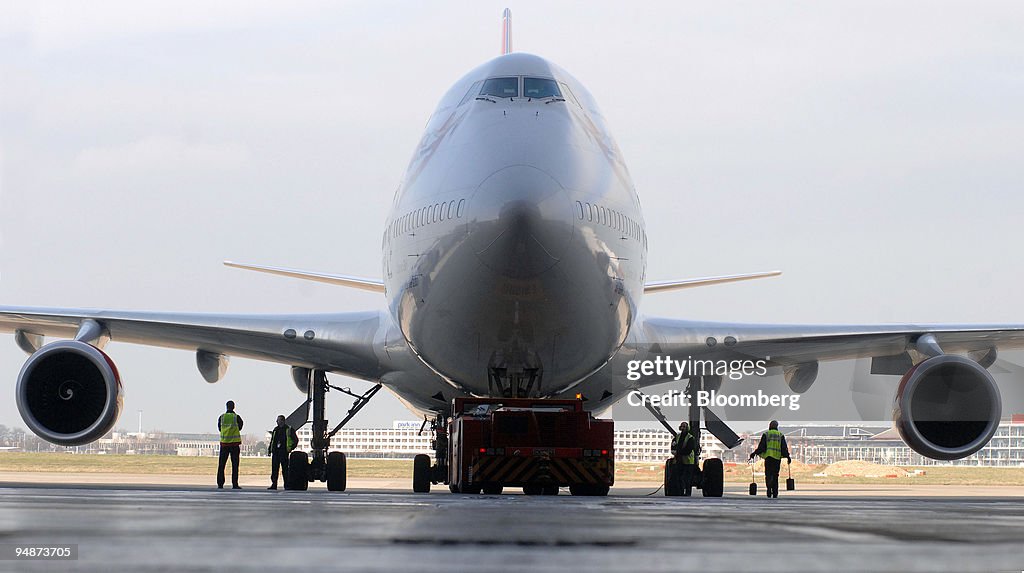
(226, 451)
(684, 477)
(278, 459)
(771, 476)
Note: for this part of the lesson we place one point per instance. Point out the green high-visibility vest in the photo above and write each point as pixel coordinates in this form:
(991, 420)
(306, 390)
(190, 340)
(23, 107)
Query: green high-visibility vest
(229, 433)
(288, 439)
(773, 449)
(688, 460)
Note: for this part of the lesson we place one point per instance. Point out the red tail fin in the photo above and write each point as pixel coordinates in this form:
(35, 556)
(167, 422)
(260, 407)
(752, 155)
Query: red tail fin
(506, 32)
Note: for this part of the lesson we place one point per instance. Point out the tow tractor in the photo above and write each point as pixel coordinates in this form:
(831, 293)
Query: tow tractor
(541, 445)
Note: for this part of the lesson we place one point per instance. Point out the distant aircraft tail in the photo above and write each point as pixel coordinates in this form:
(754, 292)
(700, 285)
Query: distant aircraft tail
(506, 32)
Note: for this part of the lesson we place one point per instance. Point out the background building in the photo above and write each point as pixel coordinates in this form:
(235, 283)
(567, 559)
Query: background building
(818, 444)
(650, 445)
(829, 443)
(402, 440)
(809, 443)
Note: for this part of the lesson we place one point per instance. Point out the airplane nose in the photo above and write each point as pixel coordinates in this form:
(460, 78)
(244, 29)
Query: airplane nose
(521, 222)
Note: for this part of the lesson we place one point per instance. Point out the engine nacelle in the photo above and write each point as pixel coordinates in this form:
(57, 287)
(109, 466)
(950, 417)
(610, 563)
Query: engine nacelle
(69, 393)
(300, 377)
(947, 407)
(799, 377)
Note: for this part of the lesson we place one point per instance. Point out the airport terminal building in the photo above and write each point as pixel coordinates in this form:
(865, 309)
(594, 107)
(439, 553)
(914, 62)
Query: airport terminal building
(830, 443)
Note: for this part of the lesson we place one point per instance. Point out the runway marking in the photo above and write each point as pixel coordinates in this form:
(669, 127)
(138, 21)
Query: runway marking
(516, 542)
(836, 534)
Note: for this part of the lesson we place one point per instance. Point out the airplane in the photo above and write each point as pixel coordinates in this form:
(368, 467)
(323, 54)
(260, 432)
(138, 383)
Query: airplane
(514, 264)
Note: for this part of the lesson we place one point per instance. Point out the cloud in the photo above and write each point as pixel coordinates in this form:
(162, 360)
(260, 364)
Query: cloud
(159, 155)
(63, 25)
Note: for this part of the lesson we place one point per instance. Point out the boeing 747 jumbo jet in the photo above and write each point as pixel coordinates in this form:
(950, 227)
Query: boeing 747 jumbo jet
(513, 267)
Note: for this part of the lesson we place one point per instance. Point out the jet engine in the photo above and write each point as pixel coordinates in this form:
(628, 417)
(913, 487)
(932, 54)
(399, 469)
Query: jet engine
(69, 393)
(947, 407)
(799, 377)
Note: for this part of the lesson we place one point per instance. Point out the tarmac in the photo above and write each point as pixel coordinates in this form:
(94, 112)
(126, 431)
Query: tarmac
(376, 525)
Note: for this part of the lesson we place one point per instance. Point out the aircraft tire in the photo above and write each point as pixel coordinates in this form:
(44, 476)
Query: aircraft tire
(336, 471)
(714, 478)
(421, 474)
(298, 472)
(671, 487)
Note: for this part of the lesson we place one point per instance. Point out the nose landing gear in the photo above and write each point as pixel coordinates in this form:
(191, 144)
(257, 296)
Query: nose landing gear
(423, 473)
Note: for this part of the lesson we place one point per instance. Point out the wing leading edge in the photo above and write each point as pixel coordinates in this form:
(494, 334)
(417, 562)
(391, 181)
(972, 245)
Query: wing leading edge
(341, 343)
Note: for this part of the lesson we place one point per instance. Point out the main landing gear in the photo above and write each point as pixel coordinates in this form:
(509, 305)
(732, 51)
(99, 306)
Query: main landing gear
(323, 466)
(710, 478)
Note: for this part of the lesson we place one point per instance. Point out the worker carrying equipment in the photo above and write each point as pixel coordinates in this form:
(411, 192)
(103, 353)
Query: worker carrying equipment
(772, 448)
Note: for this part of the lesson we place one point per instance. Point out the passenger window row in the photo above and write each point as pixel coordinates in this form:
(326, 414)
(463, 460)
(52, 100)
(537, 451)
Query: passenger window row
(427, 215)
(610, 218)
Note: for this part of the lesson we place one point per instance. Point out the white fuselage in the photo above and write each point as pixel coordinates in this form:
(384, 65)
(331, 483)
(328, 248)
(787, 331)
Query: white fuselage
(515, 254)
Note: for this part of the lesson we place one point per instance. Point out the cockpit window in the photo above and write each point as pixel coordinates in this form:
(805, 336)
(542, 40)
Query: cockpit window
(540, 88)
(473, 90)
(567, 94)
(501, 87)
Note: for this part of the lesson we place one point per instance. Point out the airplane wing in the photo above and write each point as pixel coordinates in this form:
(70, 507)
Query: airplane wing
(340, 343)
(945, 407)
(796, 344)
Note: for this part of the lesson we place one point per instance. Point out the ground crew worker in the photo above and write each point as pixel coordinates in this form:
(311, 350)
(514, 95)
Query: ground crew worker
(282, 441)
(772, 448)
(229, 424)
(684, 452)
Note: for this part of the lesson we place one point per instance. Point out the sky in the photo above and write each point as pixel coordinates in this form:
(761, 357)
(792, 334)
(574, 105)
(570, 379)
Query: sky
(869, 150)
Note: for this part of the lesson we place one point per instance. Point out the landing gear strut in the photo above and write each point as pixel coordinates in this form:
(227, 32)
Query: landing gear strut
(324, 466)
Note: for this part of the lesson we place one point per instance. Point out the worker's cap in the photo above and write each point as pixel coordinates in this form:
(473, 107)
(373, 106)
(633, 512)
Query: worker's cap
(230, 405)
